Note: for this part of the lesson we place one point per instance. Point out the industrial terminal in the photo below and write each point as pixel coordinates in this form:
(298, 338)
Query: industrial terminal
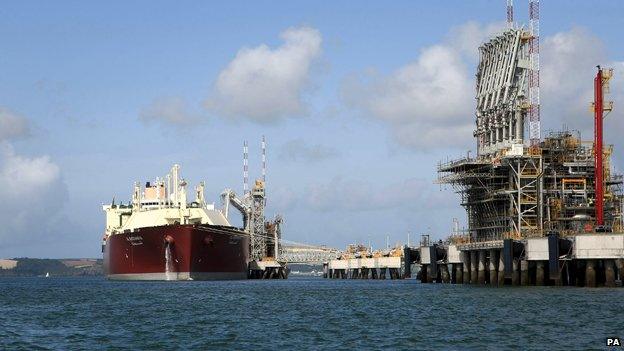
(279, 175)
(540, 210)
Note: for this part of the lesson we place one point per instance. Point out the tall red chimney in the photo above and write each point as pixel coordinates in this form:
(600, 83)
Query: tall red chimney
(598, 164)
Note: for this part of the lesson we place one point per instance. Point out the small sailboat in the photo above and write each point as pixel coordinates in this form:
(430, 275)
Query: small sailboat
(47, 275)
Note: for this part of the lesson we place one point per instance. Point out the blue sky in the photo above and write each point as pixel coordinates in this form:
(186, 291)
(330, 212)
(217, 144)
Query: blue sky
(96, 96)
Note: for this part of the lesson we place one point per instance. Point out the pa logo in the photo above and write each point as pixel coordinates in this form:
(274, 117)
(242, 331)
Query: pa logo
(614, 342)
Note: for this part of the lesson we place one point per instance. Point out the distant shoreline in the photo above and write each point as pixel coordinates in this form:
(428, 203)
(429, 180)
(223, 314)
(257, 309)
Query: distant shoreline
(65, 267)
(91, 267)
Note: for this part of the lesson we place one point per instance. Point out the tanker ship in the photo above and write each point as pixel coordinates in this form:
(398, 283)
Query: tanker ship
(161, 236)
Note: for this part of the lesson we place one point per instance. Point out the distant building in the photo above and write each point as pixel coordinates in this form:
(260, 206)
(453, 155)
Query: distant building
(8, 264)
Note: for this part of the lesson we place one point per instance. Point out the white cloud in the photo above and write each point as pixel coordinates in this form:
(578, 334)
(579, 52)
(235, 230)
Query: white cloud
(467, 37)
(568, 64)
(264, 84)
(32, 192)
(169, 111)
(299, 150)
(12, 125)
(430, 101)
(27, 177)
(569, 60)
(31, 196)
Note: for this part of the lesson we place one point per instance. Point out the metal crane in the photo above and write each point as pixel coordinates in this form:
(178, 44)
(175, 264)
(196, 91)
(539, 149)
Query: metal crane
(228, 196)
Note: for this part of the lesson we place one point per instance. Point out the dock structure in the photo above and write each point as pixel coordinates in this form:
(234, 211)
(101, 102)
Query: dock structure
(539, 210)
(364, 268)
(358, 262)
(588, 259)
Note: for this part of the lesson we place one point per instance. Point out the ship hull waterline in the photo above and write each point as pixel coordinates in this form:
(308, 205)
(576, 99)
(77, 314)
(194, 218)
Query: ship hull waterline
(177, 252)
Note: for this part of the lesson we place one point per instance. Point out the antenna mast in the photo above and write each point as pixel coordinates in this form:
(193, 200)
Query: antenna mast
(245, 168)
(263, 160)
(509, 13)
(534, 78)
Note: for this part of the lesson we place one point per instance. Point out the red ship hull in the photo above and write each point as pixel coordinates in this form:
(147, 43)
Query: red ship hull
(196, 252)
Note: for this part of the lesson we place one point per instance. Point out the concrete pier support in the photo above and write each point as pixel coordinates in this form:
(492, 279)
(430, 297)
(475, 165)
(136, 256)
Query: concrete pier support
(494, 267)
(539, 273)
(501, 269)
(580, 272)
(466, 269)
(556, 278)
(474, 264)
(590, 274)
(459, 272)
(481, 271)
(444, 273)
(609, 267)
(430, 277)
(524, 273)
(515, 275)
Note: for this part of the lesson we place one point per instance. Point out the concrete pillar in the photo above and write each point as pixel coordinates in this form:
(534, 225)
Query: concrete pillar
(590, 274)
(466, 268)
(619, 264)
(430, 277)
(474, 264)
(501, 269)
(382, 274)
(524, 273)
(452, 272)
(609, 273)
(459, 273)
(539, 273)
(556, 278)
(515, 275)
(493, 267)
(444, 273)
(481, 272)
(580, 272)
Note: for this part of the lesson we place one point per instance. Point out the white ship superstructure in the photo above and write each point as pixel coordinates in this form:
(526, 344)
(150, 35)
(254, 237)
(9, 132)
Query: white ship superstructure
(162, 202)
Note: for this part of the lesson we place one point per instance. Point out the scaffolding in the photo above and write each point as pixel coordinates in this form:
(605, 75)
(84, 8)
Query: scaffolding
(513, 189)
(547, 188)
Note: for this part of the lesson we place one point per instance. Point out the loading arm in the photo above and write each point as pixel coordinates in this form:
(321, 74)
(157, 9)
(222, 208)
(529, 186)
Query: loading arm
(228, 196)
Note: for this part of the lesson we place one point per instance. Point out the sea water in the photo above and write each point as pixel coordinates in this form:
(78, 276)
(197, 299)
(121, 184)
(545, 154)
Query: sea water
(302, 314)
